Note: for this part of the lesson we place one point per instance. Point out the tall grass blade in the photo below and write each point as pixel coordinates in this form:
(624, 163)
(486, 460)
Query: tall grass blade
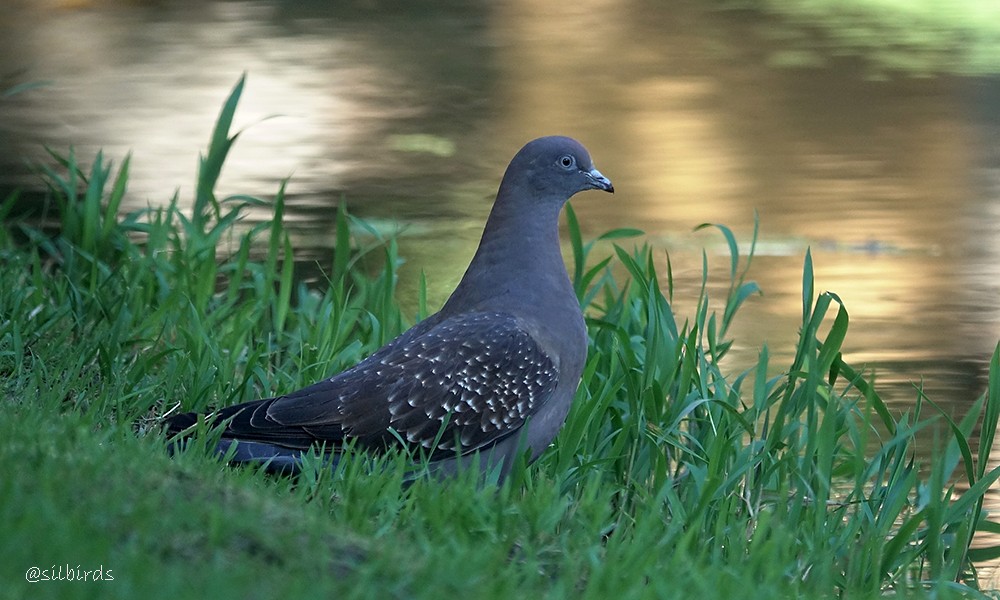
(210, 164)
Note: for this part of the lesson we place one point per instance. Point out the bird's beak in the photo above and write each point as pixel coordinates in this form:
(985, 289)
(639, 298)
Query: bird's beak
(599, 181)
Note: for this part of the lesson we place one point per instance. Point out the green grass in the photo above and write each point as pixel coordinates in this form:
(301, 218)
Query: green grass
(671, 479)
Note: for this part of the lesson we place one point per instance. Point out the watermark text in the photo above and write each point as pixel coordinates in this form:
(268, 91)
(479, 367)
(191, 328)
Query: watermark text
(68, 572)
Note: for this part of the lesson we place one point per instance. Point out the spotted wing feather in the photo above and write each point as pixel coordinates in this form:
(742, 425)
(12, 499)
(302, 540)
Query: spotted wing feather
(448, 385)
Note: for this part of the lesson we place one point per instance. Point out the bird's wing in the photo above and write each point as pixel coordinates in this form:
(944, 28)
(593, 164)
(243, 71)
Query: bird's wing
(447, 385)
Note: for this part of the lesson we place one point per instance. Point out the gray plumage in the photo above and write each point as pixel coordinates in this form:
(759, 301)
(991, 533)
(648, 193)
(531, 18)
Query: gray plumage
(493, 372)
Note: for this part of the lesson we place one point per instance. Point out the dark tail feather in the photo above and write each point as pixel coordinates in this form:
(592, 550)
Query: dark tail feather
(275, 459)
(178, 423)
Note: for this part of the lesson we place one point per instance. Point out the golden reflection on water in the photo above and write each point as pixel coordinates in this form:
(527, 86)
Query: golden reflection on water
(878, 187)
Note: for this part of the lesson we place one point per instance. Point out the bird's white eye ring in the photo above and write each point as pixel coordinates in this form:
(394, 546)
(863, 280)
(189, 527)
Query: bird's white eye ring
(567, 162)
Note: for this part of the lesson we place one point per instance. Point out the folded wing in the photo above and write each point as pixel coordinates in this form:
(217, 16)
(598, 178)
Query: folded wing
(447, 385)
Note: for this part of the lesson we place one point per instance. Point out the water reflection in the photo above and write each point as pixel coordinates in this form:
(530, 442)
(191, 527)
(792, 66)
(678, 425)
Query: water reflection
(892, 182)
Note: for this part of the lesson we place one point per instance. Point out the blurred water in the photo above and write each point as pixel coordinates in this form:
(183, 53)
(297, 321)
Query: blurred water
(411, 111)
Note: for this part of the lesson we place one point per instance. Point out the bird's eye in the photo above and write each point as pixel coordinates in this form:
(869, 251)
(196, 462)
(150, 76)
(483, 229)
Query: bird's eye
(567, 162)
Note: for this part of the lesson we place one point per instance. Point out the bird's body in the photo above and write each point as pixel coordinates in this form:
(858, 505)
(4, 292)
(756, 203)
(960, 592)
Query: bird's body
(493, 372)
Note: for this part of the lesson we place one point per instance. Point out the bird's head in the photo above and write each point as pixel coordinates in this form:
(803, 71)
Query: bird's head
(557, 166)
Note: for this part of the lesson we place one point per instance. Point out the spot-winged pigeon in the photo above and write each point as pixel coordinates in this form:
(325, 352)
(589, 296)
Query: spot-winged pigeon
(493, 372)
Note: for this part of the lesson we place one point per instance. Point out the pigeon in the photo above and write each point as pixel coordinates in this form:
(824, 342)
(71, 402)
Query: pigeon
(488, 377)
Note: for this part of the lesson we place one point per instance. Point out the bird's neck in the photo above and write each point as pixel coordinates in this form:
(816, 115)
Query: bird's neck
(518, 262)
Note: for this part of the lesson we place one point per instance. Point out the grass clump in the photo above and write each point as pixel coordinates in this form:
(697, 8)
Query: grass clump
(671, 478)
